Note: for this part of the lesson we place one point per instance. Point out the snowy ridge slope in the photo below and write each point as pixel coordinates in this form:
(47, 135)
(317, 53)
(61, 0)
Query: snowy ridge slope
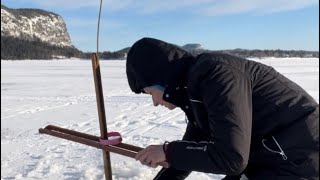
(33, 23)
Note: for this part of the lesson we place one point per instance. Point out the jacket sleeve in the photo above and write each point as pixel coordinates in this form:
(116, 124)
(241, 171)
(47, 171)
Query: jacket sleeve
(227, 99)
(191, 134)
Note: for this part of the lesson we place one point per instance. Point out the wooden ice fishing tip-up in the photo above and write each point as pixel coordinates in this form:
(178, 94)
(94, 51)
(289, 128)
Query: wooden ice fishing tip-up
(94, 141)
(107, 145)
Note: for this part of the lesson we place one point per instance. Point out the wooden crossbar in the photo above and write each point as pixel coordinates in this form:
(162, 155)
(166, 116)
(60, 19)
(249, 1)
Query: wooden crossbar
(93, 141)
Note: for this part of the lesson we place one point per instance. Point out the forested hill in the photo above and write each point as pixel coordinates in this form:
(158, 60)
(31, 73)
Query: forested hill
(34, 34)
(196, 49)
(18, 49)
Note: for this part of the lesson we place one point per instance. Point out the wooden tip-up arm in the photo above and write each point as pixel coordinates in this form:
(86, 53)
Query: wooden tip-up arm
(90, 140)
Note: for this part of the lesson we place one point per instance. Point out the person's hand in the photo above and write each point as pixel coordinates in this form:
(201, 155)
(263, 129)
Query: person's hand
(151, 156)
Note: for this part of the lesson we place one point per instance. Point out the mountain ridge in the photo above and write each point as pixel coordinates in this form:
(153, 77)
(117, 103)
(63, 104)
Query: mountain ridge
(34, 34)
(29, 24)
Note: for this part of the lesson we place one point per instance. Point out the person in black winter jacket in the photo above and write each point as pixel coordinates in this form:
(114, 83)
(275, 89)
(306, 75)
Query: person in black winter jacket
(244, 117)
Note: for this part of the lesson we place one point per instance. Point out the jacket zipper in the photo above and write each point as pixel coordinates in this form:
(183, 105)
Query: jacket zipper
(196, 101)
(281, 152)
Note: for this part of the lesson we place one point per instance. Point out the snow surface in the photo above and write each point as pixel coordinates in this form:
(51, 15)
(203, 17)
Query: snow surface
(61, 92)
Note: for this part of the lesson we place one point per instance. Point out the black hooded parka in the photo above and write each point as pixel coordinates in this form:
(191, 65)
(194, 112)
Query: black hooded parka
(244, 116)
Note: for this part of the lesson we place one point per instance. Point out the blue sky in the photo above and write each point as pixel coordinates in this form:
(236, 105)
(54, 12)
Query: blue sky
(215, 24)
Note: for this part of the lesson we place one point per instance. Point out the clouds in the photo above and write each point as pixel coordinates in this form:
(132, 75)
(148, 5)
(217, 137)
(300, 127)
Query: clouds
(201, 7)
(92, 22)
(76, 4)
(69, 4)
(228, 7)
(217, 24)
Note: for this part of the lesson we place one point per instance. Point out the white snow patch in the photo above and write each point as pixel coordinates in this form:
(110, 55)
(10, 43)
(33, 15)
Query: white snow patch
(61, 92)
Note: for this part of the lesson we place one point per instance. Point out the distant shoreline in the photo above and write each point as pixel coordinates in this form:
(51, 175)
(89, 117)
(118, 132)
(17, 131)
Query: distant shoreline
(77, 59)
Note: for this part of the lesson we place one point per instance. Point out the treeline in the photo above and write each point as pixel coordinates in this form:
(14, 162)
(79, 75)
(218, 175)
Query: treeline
(107, 55)
(17, 49)
(244, 53)
(272, 53)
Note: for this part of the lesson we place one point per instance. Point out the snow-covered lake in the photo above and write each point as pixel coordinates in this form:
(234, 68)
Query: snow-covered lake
(38, 93)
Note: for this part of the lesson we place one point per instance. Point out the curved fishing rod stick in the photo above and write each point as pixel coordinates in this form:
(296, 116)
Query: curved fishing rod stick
(98, 29)
(100, 102)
